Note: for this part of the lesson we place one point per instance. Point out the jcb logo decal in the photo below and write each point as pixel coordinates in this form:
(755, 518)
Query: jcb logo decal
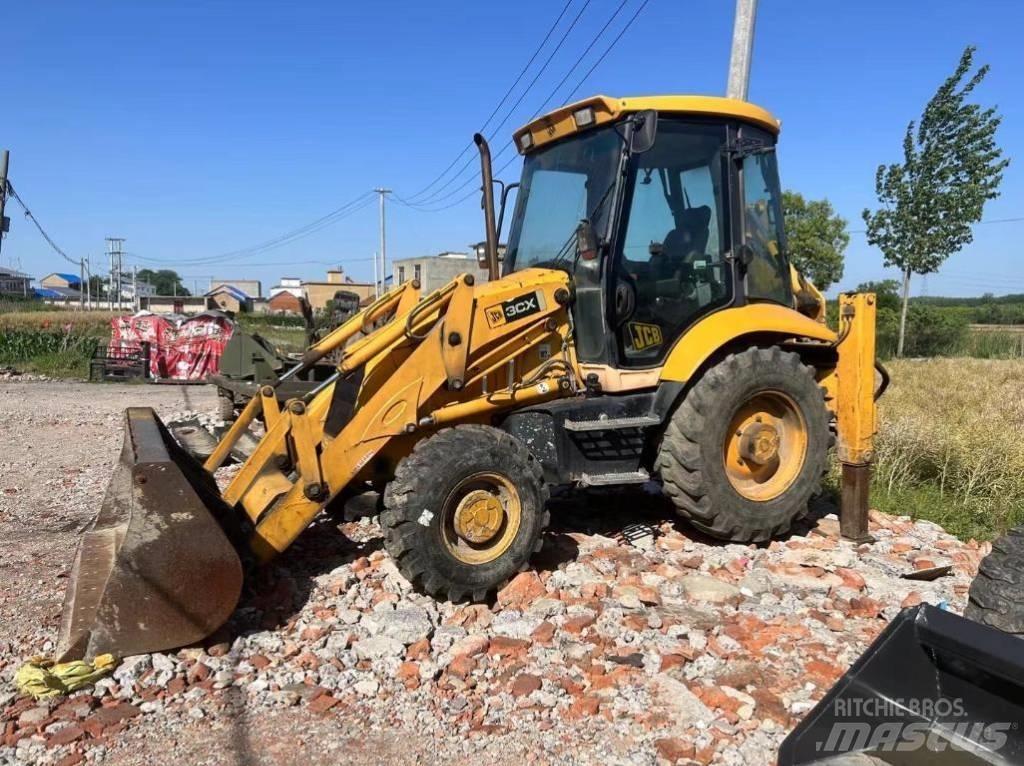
(514, 309)
(495, 316)
(645, 336)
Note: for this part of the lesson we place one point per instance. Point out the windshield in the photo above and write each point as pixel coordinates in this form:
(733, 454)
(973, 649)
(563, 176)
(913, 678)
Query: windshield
(561, 185)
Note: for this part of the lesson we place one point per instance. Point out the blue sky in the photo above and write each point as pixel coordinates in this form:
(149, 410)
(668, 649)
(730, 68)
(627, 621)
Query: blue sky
(195, 128)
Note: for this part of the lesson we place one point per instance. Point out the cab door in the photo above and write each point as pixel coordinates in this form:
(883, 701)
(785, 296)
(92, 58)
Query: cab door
(764, 268)
(672, 254)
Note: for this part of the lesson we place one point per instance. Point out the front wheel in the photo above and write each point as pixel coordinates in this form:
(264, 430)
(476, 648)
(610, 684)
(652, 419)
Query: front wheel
(746, 449)
(225, 404)
(465, 512)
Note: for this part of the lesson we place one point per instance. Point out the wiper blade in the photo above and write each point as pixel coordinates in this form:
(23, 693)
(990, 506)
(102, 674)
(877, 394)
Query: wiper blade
(566, 247)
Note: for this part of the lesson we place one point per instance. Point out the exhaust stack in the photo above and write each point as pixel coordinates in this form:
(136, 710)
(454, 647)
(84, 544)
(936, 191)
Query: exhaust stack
(493, 270)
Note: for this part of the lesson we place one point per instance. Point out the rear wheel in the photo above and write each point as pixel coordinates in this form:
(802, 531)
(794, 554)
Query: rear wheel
(997, 593)
(465, 512)
(746, 449)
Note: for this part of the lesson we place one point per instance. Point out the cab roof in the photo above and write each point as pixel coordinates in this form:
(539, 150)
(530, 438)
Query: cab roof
(561, 122)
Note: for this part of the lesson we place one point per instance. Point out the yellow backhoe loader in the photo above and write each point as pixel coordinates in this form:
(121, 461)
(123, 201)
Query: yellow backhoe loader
(644, 324)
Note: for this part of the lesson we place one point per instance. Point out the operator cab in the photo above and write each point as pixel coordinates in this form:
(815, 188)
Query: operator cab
(663, 209)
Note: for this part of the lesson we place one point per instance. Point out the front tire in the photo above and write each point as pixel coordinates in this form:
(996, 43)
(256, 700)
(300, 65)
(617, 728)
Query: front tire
(746, 449)
(225, 404)
(996, 597)
(465, 511)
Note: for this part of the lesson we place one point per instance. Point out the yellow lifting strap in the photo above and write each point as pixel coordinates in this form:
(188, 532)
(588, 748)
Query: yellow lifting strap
(41, 678)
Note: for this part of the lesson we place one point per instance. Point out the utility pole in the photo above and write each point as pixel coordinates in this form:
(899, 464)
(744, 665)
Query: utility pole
(81, 283)
(135, 288)
(742, 49)
(5, 157)
(383, 242)
(114, 248)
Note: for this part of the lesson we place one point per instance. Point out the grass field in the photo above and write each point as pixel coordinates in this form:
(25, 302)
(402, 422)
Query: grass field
(56, 343)
(289, 337)
(950, 446)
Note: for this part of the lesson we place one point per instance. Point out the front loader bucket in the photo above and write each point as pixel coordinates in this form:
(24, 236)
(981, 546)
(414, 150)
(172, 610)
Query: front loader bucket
(934, 688)
(155, 570)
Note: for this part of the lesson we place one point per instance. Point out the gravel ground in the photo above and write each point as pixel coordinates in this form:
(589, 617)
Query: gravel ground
(635, 641)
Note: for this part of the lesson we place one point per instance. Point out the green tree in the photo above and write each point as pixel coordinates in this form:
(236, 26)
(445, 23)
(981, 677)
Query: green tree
(951, 167)
(887, 293)
(165, 281)
(816, 238)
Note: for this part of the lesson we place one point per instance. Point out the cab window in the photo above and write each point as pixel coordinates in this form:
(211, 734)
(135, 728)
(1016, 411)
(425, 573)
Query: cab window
(767, 273)
(672, 267)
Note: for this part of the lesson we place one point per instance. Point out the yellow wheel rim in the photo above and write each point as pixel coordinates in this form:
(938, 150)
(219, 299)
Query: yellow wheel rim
(481, 518)
(765, 446)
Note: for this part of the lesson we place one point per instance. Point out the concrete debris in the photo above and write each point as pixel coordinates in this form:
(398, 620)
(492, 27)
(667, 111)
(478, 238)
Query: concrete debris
(617, 647)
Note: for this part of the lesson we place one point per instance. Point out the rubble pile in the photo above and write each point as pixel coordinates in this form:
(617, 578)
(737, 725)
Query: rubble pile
(645, 640)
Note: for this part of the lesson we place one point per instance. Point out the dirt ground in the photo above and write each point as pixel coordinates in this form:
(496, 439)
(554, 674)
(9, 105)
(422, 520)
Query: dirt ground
(636, 641)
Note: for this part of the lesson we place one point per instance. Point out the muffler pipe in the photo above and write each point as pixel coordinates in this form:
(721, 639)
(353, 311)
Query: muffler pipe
(491, 234)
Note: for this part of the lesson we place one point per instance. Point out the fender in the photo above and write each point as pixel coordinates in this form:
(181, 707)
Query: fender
(714, 331)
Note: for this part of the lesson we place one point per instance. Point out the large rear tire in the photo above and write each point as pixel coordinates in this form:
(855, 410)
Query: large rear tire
(997, 594)
(746, 449)
(465, 512)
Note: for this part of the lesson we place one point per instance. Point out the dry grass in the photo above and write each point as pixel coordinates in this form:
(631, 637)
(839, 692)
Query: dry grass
(951, 444)
(92, 323)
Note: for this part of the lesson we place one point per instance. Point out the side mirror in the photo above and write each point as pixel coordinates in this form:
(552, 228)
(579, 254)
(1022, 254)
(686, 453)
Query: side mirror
(481, 254)
(586, 241)
(645, 130)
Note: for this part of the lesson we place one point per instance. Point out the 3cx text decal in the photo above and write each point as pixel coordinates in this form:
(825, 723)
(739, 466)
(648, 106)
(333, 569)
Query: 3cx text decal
(644, 336)
(516, 308)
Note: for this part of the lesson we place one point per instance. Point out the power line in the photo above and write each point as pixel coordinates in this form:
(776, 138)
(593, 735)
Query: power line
(28, 214)
(504, 98)
(1017, 219)
(348, 209)
(578, 85)
(607, 51)
(433, 196)
(335, 262)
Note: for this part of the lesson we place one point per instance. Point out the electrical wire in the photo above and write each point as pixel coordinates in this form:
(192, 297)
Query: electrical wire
(28, 214)
(544, 103)
(501, 103)
(578, 85)
(434, 197)
(338, 214)
(1016, 219)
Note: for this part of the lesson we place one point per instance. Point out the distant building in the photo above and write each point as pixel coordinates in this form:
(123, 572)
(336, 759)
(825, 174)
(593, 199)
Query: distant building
(57, 295)
(58, 280)
(229, 298)
(251, 287)
(318, 293)
(173, 304)
(291, 285)
(285, 302)
(14, 282)
(434, 271)
(128, 287)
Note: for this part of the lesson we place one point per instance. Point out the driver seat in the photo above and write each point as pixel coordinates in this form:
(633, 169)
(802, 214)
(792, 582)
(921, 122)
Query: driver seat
(690, 235)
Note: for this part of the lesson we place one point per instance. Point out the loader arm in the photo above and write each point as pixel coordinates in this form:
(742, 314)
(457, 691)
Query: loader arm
(503, 344)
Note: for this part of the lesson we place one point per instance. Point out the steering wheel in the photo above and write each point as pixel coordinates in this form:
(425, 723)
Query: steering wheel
(625, 297)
